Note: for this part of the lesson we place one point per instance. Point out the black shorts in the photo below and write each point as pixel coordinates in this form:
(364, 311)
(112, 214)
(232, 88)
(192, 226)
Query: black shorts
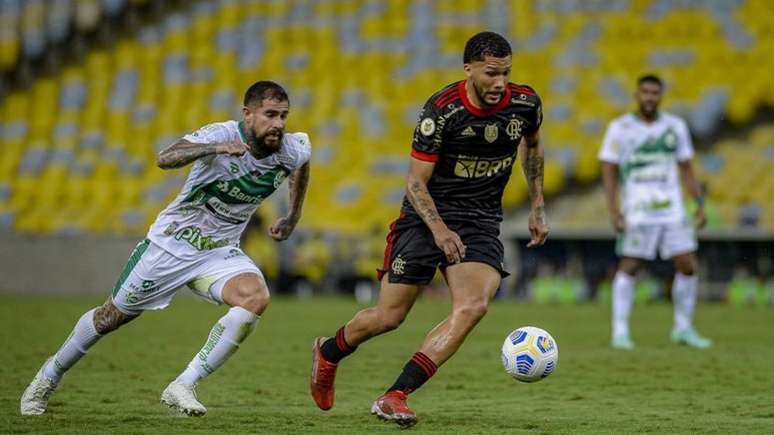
(411, 256)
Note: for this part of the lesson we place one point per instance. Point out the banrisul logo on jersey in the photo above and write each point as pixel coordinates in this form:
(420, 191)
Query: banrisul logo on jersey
(226, 198)
(650, 161)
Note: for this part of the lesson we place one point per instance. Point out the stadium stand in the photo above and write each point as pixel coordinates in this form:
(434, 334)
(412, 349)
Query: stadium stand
(78, 145)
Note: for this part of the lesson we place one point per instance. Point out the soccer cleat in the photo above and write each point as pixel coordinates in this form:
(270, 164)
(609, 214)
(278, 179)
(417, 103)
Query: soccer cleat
(182, 398)
(690, 337)
(392, 407)
(35, 398)
(622, 342)
(323, 376)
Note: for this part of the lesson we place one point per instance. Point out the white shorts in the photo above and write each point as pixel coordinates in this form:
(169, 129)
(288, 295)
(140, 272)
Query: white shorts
(152, 276)
(670, 240)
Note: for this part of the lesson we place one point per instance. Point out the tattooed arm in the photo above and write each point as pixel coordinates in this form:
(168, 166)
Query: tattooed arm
(416, 192)
(532, 163)
(297, 184)
(184, 152)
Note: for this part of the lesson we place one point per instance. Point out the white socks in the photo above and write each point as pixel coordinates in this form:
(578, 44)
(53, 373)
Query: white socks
(684, 300)
(623, 299)
(84, 336)
(223, 341)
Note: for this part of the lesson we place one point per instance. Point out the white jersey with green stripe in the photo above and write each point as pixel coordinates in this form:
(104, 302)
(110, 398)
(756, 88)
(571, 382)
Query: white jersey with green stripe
(647, 154)
(222, 192)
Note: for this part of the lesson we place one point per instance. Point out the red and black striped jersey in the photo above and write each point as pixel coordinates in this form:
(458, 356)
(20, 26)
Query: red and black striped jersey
(474, 149)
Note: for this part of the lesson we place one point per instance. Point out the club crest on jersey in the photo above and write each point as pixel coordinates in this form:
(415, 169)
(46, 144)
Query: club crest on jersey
(491, 132)
(427, 127)
(279, 178)
(233, 168)
(398, 266)
(514, 128)
(670, 140)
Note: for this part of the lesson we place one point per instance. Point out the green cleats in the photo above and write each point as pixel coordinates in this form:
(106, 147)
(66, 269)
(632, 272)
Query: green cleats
(622, 342)
(690, 337)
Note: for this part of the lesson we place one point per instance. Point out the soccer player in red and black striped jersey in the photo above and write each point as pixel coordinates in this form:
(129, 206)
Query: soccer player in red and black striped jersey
(464, 149)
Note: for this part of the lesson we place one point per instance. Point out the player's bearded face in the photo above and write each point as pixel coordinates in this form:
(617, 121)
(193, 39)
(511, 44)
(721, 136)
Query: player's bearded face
(489, 78)
(266, 125)
(648, 98)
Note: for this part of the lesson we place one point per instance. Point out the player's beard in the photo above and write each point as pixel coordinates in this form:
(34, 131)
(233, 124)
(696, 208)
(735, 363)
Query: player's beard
(649, 112)
(266, 144)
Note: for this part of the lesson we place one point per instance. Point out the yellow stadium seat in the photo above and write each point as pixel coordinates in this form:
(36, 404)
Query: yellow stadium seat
(584, 70)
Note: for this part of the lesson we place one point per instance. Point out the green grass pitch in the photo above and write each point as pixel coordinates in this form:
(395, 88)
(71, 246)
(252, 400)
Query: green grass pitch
(658, 388)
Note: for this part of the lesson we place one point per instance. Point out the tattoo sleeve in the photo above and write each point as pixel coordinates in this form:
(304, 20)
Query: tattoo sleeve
(183, 153)
(107, 318)
(423, 203)
(297, 185)
(532, 163)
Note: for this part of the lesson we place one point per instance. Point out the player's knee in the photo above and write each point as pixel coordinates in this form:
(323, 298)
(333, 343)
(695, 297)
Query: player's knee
(247, 291)
(108, 318)
(256, 301)
(629, 266)
(472, 311)
(685, 265)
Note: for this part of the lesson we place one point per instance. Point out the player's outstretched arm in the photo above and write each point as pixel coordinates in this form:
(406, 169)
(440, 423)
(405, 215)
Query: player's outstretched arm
(416, 190)
(694, 188)
(610, 182)
(184, 152)
(532, 162)
(297, 184)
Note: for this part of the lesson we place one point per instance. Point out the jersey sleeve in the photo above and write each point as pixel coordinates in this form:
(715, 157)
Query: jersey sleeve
(215, 132)
(210, 133)
(428, 133)
(535, 119)
(684, 143)
(300, 149)
(610, 151)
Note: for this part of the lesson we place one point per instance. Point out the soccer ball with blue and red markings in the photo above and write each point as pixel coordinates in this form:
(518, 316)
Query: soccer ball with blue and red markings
(530, 354)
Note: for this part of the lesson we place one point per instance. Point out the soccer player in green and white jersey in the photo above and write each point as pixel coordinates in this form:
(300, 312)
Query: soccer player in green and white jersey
(648, 152)
(195, 242)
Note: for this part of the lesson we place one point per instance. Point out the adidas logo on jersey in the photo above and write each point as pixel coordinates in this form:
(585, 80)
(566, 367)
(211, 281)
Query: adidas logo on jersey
(468, 132)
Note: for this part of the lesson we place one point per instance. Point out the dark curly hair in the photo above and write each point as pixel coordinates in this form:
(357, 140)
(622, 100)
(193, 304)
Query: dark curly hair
(263, 90)
(650, 78)
(485, 44)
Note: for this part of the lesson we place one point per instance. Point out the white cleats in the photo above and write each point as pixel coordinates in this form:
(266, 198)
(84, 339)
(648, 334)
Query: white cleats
(35, 398)
(182, 398)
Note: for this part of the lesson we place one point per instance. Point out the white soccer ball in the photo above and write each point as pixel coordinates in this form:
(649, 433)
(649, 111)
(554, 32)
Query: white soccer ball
(530, 354)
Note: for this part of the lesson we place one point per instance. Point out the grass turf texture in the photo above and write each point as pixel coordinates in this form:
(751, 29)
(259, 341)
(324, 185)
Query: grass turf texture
(659, 388)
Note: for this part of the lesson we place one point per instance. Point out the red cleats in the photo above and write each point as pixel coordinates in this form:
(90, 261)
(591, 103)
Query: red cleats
(392, 407)
(323, 376)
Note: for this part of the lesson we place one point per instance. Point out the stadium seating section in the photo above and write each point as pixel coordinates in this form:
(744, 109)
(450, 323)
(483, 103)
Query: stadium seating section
(78, 147)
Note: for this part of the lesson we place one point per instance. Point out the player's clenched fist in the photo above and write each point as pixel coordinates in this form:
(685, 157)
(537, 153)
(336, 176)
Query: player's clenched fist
(281, 229)
(232, 148)
(450, 243)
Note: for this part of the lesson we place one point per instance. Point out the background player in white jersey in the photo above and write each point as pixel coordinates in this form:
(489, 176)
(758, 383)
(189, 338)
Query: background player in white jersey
(195, 242)
(643, 152)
